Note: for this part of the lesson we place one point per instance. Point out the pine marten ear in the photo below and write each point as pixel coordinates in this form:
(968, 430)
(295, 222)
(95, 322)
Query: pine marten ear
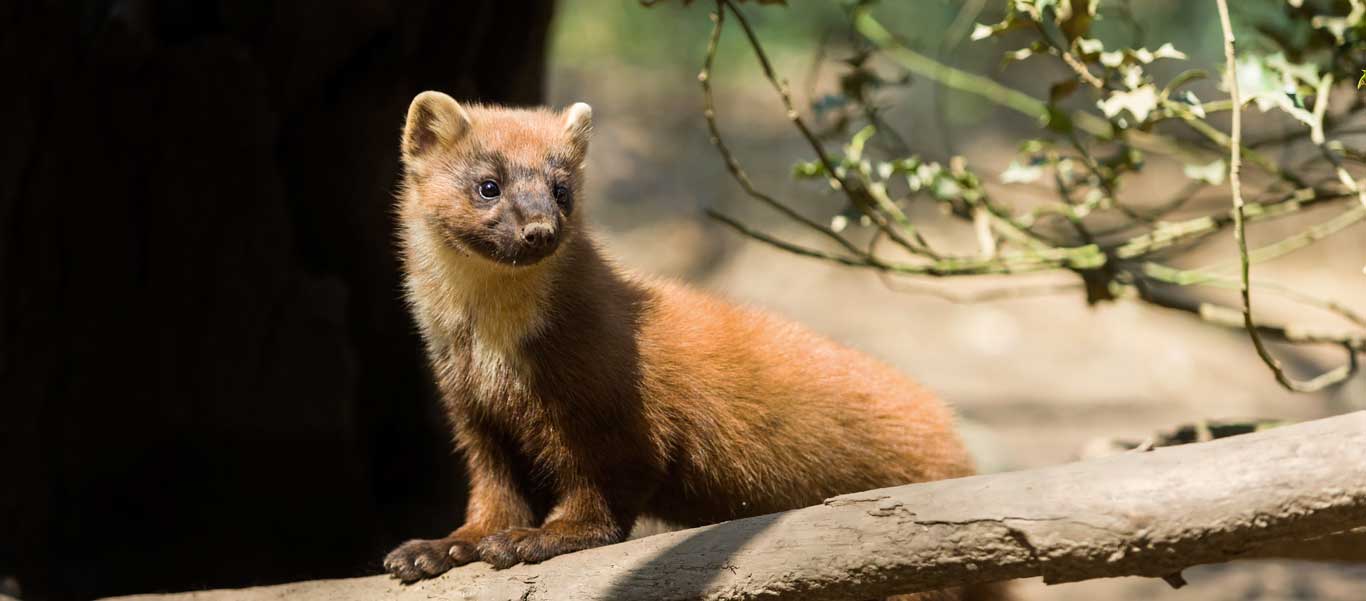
(435, 121)
(578, 123)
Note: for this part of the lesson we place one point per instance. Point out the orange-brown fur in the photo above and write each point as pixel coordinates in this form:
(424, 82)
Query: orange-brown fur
(584, 398)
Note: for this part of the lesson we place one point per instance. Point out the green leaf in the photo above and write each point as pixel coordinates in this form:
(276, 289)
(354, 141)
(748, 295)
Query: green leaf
(838, 223)
(1189, 98)
(855, 149)
(1139, 102)
(1271, 81)
(981, 32)
(1212, 173)
(1089, 46)
(808, 169)
(1017, 55)
(1168, 51)
(1021, 174)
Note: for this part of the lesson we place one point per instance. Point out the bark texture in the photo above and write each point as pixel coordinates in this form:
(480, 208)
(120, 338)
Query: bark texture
(204, 353)
(1147, 514)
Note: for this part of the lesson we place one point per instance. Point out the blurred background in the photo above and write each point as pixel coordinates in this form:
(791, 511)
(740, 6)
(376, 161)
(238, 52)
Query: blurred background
(207, 376)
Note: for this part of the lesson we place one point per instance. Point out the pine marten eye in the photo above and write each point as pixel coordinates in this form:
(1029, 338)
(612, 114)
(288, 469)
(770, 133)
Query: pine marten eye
(489, 190)
(561, 193)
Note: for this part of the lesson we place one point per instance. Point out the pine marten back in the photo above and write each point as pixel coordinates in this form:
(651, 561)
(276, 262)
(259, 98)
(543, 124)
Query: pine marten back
(583, 397)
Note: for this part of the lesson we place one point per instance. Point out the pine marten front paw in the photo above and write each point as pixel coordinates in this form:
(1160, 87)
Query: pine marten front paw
(502, 550)
(419, 559)
(526, 545)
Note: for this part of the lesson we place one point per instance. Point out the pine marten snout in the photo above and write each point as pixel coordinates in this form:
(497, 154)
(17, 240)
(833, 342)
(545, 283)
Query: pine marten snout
(583, 397)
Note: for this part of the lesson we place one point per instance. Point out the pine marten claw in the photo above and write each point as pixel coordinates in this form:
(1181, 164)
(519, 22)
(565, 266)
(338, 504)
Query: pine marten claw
(534, 545)
(419, 559)
(500, 550)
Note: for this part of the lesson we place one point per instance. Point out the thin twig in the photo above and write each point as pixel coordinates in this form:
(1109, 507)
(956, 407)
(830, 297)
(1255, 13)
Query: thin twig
(1151, 215)
(1216, 136)
(981, 296)
(1332, 306)
(863, 261)
(1302, 239)
(1048, 28)
(1068, 213)
(1240, 234)
(1233, 318)
(854, 189)
(890, 282)
(732, 164)
(1005, 264)
(1168, 235)
(1093, 166)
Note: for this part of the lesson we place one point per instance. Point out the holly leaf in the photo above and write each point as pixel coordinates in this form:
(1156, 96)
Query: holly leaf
(1139, 102)
(1018, 173)
(1212, 173)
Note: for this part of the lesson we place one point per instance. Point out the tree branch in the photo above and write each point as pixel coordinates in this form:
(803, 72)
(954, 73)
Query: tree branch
(1146, 514)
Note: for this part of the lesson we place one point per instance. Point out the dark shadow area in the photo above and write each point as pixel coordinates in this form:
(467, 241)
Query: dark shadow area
(688, 577)
(208, 377)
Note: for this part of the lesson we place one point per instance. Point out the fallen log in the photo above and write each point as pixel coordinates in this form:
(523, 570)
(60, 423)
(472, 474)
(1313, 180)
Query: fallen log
(1147, 514)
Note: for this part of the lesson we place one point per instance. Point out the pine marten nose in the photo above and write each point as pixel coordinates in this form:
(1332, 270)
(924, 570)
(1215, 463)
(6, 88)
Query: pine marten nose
(538, 235)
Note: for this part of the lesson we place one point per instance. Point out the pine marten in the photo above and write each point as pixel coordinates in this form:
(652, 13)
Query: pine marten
(584, 397)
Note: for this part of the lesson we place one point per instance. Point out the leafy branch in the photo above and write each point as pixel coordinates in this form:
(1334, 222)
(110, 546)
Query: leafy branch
(1118, 246)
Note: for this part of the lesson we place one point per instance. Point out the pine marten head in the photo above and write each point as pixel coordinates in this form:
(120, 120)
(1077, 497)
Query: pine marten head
(492, 182)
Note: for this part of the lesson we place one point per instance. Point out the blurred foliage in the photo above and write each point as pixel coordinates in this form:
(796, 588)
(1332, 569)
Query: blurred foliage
(590, 33)
(1123, 97)
(672, 33)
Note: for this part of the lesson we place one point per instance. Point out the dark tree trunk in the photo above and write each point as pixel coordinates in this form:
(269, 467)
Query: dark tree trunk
(207, 373)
